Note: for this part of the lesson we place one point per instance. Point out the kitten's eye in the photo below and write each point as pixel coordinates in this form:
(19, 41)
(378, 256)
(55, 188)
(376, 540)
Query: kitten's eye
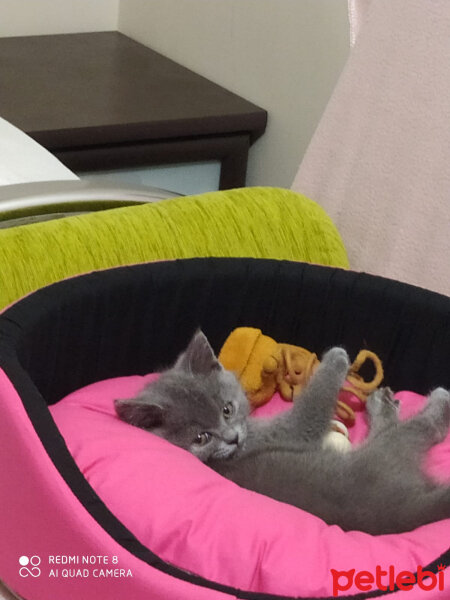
(202, 438)
(228, 410)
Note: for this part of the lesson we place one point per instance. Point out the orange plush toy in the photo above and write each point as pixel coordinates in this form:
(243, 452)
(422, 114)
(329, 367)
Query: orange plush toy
(264, 367)
(245, 352)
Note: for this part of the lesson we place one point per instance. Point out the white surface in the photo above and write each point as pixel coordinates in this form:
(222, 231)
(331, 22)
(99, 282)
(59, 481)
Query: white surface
(40, 17)
(22, 160)
(283, 55)
(186, 179)
(380, 160)
(5, 594)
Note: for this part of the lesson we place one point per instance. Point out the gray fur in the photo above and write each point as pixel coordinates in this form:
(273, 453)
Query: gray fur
(377, 487)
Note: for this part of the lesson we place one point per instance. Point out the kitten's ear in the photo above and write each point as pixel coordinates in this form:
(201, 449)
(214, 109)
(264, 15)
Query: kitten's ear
(199, 357)
(138, 413)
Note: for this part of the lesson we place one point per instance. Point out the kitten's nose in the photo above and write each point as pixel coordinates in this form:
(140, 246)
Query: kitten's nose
(233, 438)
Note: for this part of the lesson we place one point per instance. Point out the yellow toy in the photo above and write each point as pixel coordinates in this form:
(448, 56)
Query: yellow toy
(264, 367)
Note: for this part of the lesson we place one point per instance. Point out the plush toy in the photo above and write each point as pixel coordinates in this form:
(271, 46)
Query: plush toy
(337, 437)
(264, 367)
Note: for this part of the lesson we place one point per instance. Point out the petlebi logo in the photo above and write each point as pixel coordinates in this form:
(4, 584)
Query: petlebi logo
(29, 566)
(389, 579)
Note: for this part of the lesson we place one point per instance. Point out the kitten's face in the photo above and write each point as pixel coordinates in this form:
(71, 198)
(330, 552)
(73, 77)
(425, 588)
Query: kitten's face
(196, 405)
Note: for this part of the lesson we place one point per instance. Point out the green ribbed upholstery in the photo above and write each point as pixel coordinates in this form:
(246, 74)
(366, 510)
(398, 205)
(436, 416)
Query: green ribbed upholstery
(251, 222)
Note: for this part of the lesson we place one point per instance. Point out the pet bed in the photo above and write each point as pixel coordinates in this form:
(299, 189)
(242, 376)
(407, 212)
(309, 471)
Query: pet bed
(81, 342)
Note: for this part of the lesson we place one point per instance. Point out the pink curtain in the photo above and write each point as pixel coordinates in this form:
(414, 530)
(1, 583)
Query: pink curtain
(379, 162)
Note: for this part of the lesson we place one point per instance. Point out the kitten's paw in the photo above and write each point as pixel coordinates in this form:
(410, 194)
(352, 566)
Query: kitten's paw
(440, 394)
(439, 404)
(337, 358)
(381, 403)
(435, 416)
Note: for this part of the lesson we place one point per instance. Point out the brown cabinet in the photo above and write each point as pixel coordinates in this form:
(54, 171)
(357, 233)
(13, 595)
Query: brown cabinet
(100, 101)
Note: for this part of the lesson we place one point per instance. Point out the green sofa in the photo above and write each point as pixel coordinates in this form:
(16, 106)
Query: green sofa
(250, 222)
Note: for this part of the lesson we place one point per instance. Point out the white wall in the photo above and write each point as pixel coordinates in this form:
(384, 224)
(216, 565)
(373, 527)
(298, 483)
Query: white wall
(284, 55)
(40, 17)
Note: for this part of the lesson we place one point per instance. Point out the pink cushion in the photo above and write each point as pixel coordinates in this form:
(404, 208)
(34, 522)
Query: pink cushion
(191, 517)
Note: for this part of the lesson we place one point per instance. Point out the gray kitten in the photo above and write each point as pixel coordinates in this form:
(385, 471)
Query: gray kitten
(377, 487)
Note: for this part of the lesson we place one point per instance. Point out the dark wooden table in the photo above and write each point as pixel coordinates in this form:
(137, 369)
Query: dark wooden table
(102, 101)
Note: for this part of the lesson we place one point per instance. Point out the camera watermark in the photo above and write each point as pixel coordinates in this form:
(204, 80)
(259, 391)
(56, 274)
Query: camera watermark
(384, 580)
(73, 566)
(29, 566)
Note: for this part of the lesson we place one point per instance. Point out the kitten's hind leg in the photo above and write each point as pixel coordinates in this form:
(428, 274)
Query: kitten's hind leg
(382, 410)
(404, 443)
(431, 425)
(315, 405)
(435, 504)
